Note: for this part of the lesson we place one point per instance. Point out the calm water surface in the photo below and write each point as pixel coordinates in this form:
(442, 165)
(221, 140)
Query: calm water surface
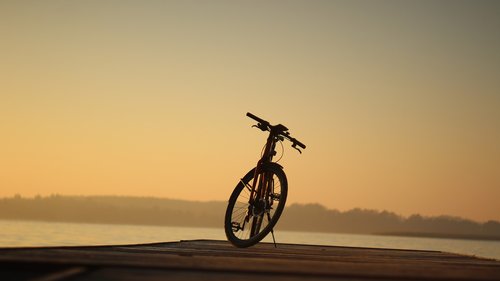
(28, 233)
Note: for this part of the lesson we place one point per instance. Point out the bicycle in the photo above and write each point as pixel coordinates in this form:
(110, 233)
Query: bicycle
(259, 197)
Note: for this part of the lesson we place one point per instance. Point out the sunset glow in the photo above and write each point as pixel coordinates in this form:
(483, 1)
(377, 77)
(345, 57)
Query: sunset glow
(398, 102)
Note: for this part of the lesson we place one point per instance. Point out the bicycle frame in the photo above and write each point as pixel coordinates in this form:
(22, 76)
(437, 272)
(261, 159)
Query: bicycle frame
(262, 185)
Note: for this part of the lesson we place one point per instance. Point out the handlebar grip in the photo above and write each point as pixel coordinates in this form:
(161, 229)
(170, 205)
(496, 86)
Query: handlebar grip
(262, 121)
(300, 144)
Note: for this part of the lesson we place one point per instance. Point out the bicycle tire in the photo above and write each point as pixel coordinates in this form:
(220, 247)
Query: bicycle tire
(234, 214)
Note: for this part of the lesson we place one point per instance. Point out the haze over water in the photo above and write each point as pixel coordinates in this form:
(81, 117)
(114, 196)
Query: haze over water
(397, 102)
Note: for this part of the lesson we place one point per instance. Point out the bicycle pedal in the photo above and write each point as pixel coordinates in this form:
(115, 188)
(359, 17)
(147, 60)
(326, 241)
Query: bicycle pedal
(276, 196)
(236, 226)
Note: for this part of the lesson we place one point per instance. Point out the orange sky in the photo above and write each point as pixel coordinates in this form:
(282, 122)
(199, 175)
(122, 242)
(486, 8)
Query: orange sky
(398, 102)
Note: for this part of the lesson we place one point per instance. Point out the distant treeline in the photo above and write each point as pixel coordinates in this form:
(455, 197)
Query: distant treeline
(309, 217)
(318, 218)
(113, 210)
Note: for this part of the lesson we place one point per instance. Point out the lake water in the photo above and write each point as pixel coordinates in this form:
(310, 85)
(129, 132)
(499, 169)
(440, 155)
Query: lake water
(29, 233)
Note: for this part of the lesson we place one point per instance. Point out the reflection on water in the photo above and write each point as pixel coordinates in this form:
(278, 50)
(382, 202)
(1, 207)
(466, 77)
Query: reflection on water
(488, 249)
(27, 233)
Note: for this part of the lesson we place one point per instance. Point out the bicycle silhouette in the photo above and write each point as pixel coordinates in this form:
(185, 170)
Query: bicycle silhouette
(259, 197)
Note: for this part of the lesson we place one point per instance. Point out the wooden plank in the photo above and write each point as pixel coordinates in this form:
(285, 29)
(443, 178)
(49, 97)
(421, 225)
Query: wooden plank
(289, 261)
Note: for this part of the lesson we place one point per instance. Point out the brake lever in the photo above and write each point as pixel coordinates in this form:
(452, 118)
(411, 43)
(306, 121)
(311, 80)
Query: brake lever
(260, 126)
(295, 146)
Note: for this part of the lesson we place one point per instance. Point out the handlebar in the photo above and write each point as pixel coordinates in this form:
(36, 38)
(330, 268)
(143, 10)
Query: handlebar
(264, 125)
(262, 121)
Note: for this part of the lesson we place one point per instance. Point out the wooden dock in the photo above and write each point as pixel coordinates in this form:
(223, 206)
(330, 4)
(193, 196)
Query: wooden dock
(218, 260)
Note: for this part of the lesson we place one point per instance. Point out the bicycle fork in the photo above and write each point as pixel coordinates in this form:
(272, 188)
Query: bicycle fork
(260, 204)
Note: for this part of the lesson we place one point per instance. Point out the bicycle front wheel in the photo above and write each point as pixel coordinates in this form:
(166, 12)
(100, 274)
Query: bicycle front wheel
(248, 221)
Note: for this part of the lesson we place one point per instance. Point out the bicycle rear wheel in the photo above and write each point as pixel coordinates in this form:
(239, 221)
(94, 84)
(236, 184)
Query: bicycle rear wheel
(246, 224)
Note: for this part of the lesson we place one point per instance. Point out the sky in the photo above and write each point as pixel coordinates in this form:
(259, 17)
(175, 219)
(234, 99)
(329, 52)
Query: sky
(397, 101)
